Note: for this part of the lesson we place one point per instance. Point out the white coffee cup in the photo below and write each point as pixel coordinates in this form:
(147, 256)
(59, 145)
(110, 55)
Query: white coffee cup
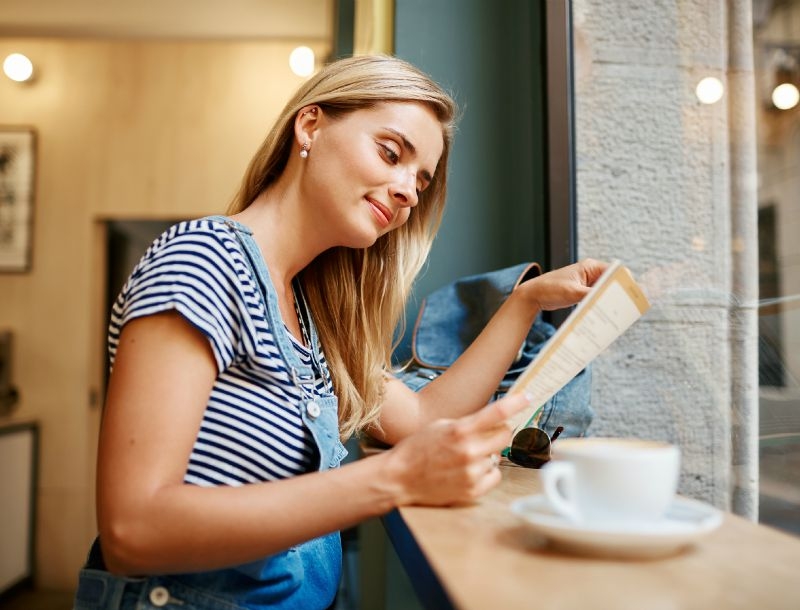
(611, 482)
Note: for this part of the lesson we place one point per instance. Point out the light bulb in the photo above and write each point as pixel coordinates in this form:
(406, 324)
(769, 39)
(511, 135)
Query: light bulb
(785, 96)
(301, 61)
(709, 90)
(18, 67)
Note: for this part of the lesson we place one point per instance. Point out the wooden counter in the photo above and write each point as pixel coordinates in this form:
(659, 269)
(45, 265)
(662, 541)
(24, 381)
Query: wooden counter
(482, 557)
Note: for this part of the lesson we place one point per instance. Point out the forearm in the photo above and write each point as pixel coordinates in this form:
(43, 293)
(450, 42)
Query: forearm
(470, 382)
(182, 528)
(185, 528)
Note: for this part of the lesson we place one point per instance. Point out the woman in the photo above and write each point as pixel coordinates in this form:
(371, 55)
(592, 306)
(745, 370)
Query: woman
(244, 347)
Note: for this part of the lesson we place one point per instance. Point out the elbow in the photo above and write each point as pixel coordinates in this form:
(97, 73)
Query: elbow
(125, 551)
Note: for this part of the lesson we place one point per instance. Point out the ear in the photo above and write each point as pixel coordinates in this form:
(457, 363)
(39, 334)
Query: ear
(306, 124)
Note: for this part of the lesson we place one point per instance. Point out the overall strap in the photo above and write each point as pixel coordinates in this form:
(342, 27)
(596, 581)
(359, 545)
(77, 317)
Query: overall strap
(301, 373)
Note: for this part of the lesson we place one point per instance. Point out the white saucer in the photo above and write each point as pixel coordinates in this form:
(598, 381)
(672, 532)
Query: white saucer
(685, 522)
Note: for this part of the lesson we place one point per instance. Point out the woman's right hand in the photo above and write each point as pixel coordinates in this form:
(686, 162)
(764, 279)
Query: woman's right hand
(453, 461)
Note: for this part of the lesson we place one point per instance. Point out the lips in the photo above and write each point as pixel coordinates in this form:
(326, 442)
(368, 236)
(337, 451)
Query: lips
(381, 212)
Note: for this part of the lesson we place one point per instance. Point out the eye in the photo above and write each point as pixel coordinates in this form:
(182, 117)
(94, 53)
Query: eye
(390, 154)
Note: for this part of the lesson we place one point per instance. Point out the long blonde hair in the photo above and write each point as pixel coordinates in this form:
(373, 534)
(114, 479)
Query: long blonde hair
(357, 296)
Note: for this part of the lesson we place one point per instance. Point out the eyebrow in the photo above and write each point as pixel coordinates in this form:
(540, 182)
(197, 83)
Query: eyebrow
(412, 149)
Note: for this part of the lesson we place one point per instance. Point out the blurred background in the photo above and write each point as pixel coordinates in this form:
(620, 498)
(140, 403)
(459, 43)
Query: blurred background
(649, 132)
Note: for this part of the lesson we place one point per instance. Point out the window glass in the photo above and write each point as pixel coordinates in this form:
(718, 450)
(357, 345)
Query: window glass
(776, 31)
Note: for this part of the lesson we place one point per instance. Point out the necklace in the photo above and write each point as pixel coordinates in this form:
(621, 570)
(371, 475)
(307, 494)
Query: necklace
(301, 309)
(300, 318)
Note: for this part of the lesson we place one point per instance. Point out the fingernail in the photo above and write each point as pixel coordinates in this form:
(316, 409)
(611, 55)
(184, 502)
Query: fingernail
(528, 396)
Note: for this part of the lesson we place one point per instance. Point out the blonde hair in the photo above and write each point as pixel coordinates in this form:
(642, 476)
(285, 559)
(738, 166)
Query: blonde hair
(357, 296)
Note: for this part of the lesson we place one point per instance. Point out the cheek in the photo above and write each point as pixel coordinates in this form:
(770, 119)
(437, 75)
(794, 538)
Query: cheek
(402, 217)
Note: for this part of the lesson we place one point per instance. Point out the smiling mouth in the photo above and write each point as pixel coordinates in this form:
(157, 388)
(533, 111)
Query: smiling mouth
(381, 212)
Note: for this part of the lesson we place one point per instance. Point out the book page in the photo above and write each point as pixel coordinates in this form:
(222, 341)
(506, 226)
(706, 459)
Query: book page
(615, 302)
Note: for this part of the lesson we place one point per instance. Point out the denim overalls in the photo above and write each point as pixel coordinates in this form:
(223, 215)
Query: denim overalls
(304, 577)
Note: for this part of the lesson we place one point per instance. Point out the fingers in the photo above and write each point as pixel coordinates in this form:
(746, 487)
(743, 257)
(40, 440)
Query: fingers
(566, 286)
(487, 432)
(477, 484)
(496, 413)
(483, 465)
(446, 473)
(453, 461)
(592, 269)
(484, 473)
(488, 482)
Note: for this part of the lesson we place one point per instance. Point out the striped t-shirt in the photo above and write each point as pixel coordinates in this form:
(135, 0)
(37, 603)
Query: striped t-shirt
(252, 429)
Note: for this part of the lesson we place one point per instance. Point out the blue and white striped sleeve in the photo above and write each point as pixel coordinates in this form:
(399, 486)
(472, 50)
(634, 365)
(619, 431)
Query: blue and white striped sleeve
(195, 274)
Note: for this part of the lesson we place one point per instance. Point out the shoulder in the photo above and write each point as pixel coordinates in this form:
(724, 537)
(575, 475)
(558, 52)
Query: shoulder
(201, 261)
(193, 247)
(202, 235)
(196, 267)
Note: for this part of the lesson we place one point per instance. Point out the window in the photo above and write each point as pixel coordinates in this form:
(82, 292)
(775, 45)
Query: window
(777, 62)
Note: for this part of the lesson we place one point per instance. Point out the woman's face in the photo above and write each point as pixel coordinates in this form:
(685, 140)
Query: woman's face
(365, 170)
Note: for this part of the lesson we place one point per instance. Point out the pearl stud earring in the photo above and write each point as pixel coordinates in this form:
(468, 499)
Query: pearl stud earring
(304, 150)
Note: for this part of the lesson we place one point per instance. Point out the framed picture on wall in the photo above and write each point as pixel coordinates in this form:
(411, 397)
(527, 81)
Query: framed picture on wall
(17, 169)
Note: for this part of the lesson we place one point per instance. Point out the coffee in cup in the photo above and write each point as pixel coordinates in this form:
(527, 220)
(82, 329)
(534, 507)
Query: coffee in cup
(611, 482)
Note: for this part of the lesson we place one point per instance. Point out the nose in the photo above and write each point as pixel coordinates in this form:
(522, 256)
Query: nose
(404, 191)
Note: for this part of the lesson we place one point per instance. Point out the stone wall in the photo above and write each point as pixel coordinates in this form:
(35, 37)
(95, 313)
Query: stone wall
(654, 190)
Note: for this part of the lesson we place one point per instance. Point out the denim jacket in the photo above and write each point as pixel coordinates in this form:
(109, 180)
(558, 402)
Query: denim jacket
(452, 317)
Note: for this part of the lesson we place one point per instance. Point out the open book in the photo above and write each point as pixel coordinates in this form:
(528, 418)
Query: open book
(614, 303)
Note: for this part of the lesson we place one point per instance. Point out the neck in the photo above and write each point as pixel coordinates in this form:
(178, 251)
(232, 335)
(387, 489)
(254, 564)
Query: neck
(282, 232)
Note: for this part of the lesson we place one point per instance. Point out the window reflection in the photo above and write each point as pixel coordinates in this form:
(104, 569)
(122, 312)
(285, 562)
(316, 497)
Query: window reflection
(777, 63)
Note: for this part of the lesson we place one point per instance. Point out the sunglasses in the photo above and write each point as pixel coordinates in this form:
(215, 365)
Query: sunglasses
(530, 447)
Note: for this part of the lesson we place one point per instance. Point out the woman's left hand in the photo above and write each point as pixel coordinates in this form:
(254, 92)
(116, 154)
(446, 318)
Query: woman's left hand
(565, 286)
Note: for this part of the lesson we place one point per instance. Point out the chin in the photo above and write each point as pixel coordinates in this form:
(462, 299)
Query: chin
(363, 243)
(364, 238)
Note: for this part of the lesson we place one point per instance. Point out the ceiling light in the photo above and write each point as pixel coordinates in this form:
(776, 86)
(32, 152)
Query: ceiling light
(18, 67)
(301, 61)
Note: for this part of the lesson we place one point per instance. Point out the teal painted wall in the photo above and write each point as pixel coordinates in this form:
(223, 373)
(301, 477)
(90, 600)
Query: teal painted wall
(490, 56)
